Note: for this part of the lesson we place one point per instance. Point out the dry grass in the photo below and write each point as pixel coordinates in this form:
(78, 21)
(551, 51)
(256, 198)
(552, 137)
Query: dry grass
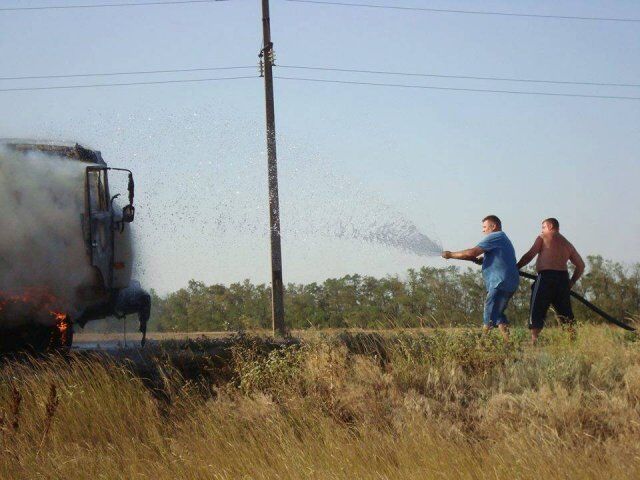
(448, 404)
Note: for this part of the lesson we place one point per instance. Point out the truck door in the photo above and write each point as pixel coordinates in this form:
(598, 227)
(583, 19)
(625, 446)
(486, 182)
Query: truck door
(100, 223)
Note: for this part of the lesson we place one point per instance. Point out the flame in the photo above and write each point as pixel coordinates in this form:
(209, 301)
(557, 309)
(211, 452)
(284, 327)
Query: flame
(60, 317)
(62, 321)
(33, 302)
(63, 324)
(38, 305)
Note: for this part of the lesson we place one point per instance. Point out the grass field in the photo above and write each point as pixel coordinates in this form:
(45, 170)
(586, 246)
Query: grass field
(133, 337)
(416, 405)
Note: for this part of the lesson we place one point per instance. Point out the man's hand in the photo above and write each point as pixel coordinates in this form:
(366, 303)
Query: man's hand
(478, 261)
(471, 254)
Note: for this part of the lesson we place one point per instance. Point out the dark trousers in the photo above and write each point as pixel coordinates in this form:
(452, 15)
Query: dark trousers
(551, 288)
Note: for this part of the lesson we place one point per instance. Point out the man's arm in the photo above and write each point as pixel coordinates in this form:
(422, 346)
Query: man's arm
(577, 261)
(470, 254)
(533, 251)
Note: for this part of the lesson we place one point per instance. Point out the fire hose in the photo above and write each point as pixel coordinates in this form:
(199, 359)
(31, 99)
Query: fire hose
(589, 305)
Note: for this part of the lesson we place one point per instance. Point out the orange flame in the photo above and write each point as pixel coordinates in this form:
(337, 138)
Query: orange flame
(62, 321)
(63, 324)
(32, 301)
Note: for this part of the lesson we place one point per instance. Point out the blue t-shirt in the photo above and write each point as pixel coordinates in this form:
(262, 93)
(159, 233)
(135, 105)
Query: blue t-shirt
(499, 266)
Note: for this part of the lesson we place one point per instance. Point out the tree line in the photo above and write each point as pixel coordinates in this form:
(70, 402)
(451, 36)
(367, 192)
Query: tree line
(425, 297)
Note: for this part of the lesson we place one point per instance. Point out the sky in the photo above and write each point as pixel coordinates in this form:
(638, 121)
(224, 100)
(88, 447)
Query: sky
(351, 157)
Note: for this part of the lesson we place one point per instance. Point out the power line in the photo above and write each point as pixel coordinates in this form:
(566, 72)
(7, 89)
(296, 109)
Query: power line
(318, 80)
(141, 72)
(466, 12)
(463, 77)
(96, 85)
(475, 90)
(107, 5)
(324, 68)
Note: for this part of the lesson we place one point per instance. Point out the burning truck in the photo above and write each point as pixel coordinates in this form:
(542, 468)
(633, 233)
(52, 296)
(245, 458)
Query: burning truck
(66, 250)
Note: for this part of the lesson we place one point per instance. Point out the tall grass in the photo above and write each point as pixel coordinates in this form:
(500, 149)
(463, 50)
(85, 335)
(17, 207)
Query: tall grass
(447, 404)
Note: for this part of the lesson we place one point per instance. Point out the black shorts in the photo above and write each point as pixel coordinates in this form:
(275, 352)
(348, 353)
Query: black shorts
(550, 288)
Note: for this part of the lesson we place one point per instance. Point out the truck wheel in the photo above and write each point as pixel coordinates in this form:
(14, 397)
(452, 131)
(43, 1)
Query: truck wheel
(36, 339)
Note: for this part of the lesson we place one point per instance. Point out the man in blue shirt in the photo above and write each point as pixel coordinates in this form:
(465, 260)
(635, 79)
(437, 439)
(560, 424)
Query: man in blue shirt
(499, 271)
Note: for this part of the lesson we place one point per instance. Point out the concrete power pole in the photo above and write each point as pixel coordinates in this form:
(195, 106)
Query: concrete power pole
(277, 300)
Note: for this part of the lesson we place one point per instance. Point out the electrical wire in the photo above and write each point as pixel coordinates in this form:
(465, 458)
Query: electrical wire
(323, 68)
(463, 77)
(466, 12)
(96, 85)
(141, 72)
(107, 5)
(455, 89)
(319, 80)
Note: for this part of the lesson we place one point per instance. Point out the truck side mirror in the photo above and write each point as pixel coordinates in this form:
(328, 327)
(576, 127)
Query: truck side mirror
(131, 188)
(128, 213)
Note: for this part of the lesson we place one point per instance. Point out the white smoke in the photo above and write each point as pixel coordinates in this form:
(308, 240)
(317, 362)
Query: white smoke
(41, 237)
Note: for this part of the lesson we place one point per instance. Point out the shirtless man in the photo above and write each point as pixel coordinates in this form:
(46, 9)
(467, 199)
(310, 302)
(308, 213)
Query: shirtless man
(553, 286)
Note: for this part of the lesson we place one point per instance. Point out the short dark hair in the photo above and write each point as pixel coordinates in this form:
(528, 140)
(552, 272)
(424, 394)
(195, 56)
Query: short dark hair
(493, 219)
(553, 222)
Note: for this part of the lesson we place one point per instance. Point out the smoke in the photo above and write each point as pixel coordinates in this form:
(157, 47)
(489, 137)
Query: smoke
(42, 246)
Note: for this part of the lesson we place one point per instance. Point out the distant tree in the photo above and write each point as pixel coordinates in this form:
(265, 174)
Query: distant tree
(425, 297)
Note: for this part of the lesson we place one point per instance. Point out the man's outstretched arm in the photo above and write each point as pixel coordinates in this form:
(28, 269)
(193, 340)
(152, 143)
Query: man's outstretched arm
(470, 254)
(533, 251)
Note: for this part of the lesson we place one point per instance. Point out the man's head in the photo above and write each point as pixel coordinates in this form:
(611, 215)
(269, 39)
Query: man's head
(550, 225)
(491, 224)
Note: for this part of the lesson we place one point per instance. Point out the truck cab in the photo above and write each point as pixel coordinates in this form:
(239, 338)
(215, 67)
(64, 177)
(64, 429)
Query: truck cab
(107, 288)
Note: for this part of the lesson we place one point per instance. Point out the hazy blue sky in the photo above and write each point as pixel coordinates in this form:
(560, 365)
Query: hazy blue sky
(440, 159)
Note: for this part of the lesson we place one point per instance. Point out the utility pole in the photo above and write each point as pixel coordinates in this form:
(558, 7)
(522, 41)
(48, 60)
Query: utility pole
(277, 300)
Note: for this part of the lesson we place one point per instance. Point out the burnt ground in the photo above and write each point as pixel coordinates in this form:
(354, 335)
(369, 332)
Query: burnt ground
(166, 365)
